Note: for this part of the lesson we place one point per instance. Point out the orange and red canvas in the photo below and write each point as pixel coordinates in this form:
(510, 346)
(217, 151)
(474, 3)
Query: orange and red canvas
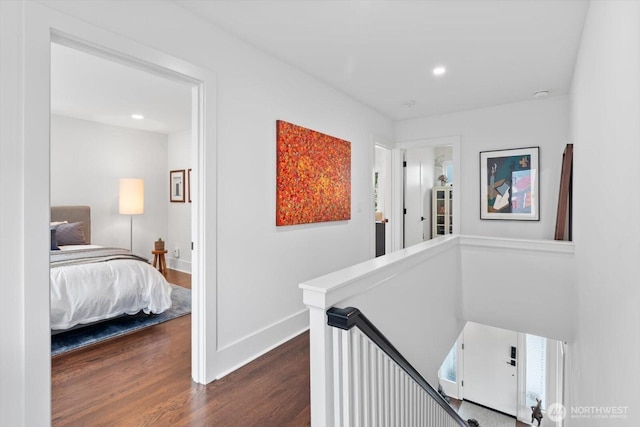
(313, 176)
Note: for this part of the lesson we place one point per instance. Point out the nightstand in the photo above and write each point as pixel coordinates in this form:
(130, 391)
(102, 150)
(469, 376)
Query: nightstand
(160, 262)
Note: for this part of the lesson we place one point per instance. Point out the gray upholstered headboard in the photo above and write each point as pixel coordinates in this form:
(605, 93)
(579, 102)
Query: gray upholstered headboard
(74, 214)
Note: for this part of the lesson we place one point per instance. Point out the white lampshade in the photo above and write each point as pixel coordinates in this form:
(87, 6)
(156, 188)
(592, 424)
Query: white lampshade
(131, 196)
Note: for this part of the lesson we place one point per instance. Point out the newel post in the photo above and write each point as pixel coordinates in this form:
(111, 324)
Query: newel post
(321, 360)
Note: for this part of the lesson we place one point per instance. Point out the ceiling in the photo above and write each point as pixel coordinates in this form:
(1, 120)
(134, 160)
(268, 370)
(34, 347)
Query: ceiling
(380, 52)
(90, 87)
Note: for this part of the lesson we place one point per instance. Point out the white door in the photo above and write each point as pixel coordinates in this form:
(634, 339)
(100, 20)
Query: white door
(417, 197)
(490, 372)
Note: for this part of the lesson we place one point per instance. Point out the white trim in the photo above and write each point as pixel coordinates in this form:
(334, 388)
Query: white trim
(179, 265)
(390, 195)
(324, 291)
(521, 372)
(266, 339)
(372, 189)
(429, 142)
(549, 246)
(397, 190)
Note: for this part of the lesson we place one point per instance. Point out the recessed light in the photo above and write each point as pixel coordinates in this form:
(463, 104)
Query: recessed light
(137, 116)
(439, 71)
(541, 94)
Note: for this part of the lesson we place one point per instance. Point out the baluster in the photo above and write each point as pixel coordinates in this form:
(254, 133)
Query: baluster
(357, 378)
(337, 376)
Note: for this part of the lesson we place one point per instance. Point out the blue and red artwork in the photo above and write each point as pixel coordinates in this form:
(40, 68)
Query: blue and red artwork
(509, 184)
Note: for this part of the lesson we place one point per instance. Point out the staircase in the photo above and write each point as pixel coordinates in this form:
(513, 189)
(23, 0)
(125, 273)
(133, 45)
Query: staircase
(421, 297)
(374, 384)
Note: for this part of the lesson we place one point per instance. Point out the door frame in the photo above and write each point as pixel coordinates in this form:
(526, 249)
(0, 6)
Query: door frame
(555, 362)
(40, 25)
(390, 229)
(28, 368)
(401, 148)
(149, 60)
(388, 193)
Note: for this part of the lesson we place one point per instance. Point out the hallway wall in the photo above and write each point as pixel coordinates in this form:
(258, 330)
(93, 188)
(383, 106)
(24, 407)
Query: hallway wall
(543, 123)
(603, 362)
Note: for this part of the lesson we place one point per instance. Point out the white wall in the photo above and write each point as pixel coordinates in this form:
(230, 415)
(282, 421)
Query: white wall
(17, 381)
(543, 123)
(504, 278)
(87, 161)
(257, 261)
(179, 229)
(260, 265)
(443, 282)
(603, 362)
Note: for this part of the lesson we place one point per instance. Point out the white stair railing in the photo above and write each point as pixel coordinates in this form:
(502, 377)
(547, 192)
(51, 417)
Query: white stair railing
(374, 385)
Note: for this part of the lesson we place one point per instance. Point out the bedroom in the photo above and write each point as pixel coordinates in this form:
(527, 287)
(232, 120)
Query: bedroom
(95, 142)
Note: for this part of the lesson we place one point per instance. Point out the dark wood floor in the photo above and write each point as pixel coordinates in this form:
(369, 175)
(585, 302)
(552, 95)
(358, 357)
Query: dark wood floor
(144, 379)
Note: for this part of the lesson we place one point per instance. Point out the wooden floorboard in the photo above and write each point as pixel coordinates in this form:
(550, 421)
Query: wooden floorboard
(144, 379)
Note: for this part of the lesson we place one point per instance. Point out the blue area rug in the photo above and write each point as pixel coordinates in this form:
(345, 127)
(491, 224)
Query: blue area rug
(78, 338)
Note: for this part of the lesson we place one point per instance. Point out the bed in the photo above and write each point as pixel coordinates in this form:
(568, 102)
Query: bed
(90, 283)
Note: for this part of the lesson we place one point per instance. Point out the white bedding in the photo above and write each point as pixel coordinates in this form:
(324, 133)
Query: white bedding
(88, 293)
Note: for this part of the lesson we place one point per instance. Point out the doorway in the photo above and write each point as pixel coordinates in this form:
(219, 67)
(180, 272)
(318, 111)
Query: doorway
(110, 121)
(430, 165)
(490, 367)
(382, 190)
(504, 370)
(203, 200)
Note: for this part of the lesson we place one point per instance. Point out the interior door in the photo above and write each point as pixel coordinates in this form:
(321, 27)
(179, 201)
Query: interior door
(417, 202)
(490, 371)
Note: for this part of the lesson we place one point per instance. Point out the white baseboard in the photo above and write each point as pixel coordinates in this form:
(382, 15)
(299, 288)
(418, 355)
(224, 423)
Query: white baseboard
(179, 264)
(260, 342)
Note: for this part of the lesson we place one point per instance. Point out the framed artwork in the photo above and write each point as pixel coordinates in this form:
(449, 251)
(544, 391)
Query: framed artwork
(509, 184)
(176, 186)
(189, 184)
(313, 176)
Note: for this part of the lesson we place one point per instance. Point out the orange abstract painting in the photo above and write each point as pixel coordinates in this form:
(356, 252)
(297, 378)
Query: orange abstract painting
(313, 176)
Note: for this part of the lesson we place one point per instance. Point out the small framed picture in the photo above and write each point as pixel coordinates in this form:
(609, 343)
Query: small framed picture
(509, 184)
(176, 186)
(189, 184)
